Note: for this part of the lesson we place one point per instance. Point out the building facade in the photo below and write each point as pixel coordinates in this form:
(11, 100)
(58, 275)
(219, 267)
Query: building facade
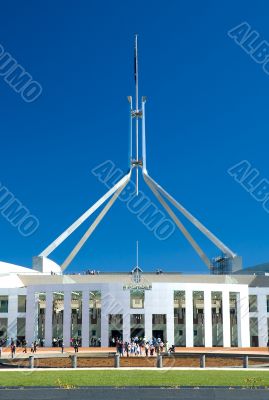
(185, 310)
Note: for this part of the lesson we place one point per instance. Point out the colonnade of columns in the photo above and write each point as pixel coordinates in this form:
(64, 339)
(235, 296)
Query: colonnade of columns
(242, 319)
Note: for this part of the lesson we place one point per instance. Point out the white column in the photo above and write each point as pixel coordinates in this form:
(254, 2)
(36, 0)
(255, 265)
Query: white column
(189, 317)
(208, 318)
(31, 316)
(12, 316)
(148, 325)
(126, 326)
(262, 320)
(67, 318)
(85, 318)
(105, 306)
(170, 326)
(226, 323)
(48, 319)
(243, 318)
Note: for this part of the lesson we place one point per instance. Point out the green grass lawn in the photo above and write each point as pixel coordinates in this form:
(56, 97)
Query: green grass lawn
(134, 378)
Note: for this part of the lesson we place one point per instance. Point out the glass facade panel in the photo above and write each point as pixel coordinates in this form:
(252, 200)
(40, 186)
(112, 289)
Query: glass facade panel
(57, 317)
(234, 297)
(217, 321)
(41, 317)
(253, 306)
(95, 318)
(198, 319)
(137, 323)
(3, 331)
(254, 335)
(137, 298)
(159, 327)
(76, 317)
(179, 318)
(3, 304)
(22, 303)
(115, 328)
(20, 329)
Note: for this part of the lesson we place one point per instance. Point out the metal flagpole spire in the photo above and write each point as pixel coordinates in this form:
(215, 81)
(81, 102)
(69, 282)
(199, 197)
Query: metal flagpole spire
(136, 109)
(165, 199)
(137, 253)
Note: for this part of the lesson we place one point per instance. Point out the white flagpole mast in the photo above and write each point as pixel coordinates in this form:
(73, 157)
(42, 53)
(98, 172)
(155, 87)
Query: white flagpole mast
(136, 111)
(144, 155)
(130, 100)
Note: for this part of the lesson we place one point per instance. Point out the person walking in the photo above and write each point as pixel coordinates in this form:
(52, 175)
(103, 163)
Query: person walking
(13, 350)
(35, 346)
(62, 346)
(126, 348)
(147, 349)
(76, 347)
(24, 345)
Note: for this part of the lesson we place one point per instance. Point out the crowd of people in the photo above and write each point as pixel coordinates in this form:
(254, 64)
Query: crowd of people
(141, 346)
(23, 344)
(136, 346)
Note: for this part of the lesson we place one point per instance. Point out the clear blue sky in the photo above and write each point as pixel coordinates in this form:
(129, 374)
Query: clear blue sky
(207, 109)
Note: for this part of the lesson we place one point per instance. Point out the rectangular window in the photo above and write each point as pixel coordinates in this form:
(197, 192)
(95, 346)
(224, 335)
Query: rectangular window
(3, 304)
(137, 324)
(137, 319)
(41, 312)
(76, 316)
(198, 318)
(20, 328)
(115, 319)
(253, 307)
(159, 328)
(217, 322)
(158, 319)
(115, 328)
(234, 301)
(95, 318)
(57, 317)
(253, 329)
(137, 297)
(21, 303)
(3, 330)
